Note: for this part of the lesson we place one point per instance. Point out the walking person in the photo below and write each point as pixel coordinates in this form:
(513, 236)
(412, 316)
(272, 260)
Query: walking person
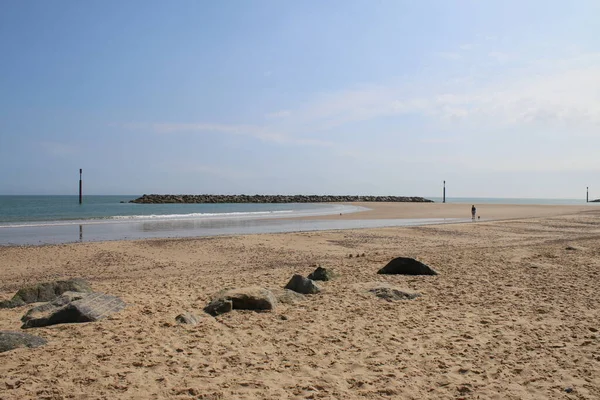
(473, 212)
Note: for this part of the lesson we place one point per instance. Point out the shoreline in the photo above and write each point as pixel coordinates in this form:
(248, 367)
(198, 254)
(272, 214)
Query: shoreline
(487, 212)
(375, 215)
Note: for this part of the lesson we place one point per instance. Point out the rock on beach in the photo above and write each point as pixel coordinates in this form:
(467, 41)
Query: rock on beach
(13, 340)
(248, 298)
(303, 285)
(46, 291)
(73, 308)
(407, 266)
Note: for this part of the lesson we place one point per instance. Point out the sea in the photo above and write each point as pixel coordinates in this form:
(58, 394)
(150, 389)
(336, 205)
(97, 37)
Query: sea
(38, 220)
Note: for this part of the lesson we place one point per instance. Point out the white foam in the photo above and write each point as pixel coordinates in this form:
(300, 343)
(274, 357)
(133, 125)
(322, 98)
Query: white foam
(119, 219)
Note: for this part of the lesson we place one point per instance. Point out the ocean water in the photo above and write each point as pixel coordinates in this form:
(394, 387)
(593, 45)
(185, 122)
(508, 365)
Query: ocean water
(27, 220)
(61, 219)
(60, 210)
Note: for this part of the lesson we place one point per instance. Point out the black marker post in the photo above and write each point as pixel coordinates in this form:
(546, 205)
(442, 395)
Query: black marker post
(444, 193)
(80, 186)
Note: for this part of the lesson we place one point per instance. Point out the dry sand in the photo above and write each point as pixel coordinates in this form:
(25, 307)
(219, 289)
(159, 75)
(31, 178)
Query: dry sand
(513, 315)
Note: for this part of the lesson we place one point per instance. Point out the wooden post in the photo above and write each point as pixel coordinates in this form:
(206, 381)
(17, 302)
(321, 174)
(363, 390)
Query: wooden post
(587, 194)
(80, 186)
(444, 198)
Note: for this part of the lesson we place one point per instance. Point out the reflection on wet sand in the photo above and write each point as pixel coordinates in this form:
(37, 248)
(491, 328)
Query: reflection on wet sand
(54, 234)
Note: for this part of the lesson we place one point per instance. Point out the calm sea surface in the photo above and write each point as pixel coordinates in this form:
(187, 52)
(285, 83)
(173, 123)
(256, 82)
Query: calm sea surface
(61, 219)
(15, 210)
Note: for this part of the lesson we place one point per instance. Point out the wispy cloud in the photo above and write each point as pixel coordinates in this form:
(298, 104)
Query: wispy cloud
(557, 96)
(565, 90)
(262, 133)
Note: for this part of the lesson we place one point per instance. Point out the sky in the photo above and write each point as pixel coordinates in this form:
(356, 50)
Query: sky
(370, 97)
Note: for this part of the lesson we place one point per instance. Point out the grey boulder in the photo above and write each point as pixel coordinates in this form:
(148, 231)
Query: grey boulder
(13, 340)
(303, 285)
(407, 266)
(248, 298)
(46, 291)
(187, 318)
(73, 308)
(321, 274)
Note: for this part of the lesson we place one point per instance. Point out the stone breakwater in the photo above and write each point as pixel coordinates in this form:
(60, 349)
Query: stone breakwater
(259, 198)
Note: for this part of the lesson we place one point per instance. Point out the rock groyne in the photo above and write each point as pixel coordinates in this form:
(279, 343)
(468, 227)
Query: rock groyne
(261, 198)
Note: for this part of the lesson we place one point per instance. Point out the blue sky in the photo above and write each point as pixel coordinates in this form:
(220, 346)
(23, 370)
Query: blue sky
(498, 98)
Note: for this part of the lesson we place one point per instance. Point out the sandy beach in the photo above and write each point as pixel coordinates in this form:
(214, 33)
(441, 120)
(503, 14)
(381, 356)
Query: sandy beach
(513, 314)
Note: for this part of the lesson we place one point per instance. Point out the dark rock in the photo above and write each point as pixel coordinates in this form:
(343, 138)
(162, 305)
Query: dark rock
(187, 318)
(569, 389)
(44, 312)
(13, 340)
(392, 294)
(321, 274)
(219, 306)
(303, 285)
(406, 266)
(47, 291)
(89, 308)
(258, 198)
(249, 298)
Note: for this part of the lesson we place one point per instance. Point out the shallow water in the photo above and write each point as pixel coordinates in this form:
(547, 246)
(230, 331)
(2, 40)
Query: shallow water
(66, 233)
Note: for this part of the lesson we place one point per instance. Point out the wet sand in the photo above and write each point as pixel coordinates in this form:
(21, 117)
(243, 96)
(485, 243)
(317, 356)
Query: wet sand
(453, 210)
(512, 315)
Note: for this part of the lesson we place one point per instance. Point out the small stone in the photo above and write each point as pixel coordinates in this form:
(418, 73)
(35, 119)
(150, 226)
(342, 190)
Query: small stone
(464, 389)
(321, 274)
(303, 285)
(187, 318)
(569, 389)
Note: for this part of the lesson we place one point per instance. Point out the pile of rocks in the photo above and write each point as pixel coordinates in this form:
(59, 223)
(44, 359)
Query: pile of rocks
(260, 198)
(69, 301)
